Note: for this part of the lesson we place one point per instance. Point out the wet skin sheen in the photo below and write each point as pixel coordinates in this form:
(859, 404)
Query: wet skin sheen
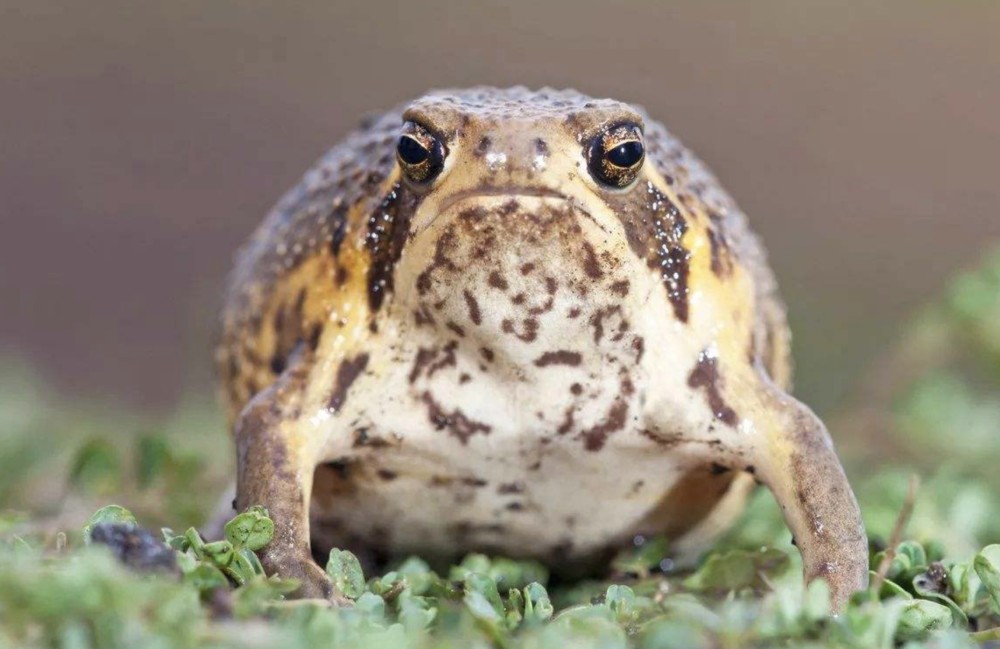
(521, 322)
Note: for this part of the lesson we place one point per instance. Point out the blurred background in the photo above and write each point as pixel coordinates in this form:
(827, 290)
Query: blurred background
(141, 142)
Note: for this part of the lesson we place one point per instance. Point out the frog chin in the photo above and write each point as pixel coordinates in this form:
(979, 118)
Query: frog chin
(510, 269)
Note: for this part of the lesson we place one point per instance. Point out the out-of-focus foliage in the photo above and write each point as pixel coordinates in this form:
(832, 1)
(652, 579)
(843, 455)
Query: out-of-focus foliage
(76, 575)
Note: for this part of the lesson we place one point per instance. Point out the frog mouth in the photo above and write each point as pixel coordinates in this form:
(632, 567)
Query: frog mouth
(500, 192)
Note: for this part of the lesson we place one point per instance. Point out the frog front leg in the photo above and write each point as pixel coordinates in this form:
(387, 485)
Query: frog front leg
(275, 470)
(791, 453)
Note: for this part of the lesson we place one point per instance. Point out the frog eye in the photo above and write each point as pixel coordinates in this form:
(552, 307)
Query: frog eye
(420, 153)
(616, 155)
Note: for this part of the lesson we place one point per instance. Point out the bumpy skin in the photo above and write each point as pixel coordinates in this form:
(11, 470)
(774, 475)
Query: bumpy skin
(515, 357)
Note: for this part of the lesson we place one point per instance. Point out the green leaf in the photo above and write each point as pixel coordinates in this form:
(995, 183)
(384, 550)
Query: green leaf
(345, 571)
(206, 577)
(537, 606)
(621, 600)
(737, 569)
(418, 575)
(920, 616)
(108, 514)
(482, 598)
(219, 553)
(371, 605)
(252, 529)
(987, 566)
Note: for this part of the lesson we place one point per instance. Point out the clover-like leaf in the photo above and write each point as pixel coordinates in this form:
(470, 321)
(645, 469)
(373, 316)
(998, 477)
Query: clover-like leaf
(253, 529)
(345, 571)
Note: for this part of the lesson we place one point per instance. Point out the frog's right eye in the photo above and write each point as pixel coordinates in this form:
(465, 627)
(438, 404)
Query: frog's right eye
(420, 153)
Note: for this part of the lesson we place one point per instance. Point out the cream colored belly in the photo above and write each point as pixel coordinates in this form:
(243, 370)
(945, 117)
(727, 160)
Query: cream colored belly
(559, 464)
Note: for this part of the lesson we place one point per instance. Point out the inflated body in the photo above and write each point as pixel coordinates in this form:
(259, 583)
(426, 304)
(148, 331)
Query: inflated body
(522, 322)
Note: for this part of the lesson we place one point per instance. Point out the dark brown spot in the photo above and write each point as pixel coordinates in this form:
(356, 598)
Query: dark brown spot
(347, 373)
(576, 389)
(497, 281)
(464, 378)
(590, 264)
(529, 333)
(620, 287)
(560, 357)
(455, 422)
(470, 302)
(639, 345)
(574, 312)
(474, 482)
(567, 423)
(597, 321)
(706, 375)
(342, 275)
(442, 248)
(508, 207)
(387, 475)
(472, 213)
(510, 488)
(595, 437)
(459, 331)
(527, 268)
(447, 358)
(514, 507)
(423, 359)
(362, 439)
(487, 353)
(541, 147)
(422, 316)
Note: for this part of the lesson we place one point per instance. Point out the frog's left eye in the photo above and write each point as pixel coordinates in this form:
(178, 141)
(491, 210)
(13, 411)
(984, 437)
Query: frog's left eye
(616, 155)
(420, 153)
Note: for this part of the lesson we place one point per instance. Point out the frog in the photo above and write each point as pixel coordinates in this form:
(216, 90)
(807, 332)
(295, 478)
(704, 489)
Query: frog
(521, 322)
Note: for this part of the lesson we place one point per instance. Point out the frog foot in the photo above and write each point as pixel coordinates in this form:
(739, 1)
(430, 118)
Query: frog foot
(314, 583)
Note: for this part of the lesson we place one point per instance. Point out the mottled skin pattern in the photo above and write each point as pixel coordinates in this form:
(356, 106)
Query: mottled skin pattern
(514, 356)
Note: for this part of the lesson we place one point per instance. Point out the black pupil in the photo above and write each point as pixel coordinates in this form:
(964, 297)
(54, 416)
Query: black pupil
(625, 154)
(411, 151)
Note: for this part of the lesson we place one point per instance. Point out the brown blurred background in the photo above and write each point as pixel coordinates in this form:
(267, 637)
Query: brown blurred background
(140, 142)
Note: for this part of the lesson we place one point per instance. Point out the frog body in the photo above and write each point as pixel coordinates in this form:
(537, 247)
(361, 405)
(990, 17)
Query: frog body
(525, 322)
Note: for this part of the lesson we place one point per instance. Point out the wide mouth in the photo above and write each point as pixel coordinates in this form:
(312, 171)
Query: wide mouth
(499, 192)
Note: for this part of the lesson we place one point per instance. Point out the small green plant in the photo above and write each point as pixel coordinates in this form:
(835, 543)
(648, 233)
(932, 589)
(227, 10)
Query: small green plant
(73, 577)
